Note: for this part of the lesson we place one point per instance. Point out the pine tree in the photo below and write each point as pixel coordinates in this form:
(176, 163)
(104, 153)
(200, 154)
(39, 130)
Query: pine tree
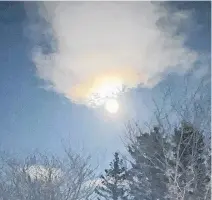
(148, 180)
(172, 166)
(189, 166)
(113, 184)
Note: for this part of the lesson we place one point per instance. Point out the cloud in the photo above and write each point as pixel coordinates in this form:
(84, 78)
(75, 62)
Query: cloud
(90, 46)
(43, 173)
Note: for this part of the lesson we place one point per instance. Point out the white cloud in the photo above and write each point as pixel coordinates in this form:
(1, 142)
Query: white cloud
(43, 173)
(96, 42)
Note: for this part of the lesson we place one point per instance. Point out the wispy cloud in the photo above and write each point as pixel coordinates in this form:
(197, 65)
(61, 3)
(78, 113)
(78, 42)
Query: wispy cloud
(131, 43)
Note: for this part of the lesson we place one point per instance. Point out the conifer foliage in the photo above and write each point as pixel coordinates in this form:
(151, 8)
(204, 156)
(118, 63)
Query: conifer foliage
(147, 180)
(163, 166)
(189, 177)
(113, 183)
(172, 166)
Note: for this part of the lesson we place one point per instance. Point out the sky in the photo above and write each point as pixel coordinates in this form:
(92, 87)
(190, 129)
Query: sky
(56, 60)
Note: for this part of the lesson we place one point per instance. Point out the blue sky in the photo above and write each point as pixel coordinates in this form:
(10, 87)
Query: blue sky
(34, 118)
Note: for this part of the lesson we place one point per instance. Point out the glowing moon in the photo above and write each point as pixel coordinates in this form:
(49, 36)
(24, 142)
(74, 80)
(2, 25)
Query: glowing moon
(112, 105)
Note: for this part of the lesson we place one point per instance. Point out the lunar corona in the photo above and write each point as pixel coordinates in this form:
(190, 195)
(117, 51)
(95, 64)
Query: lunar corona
(112, 106)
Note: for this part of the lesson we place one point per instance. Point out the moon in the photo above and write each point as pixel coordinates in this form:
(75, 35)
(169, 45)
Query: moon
(112, 106)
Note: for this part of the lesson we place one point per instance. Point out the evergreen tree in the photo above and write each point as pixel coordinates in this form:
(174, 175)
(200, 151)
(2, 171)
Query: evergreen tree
(170, 166)
(148, 166)
(190, 163)
(113, 184)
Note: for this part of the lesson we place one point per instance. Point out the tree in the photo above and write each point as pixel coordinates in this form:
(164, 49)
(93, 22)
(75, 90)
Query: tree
(173, 166)
(113, 184)
(147, 175)
(189, 171)
(41, 177)
(189, 159)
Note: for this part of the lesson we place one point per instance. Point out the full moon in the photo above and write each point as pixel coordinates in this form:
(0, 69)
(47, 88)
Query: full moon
(112, 106)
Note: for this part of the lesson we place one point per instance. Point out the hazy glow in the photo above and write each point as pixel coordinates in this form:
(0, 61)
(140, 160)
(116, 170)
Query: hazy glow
(112, 105)
(101, 86)
(105, 88)
(109, 88)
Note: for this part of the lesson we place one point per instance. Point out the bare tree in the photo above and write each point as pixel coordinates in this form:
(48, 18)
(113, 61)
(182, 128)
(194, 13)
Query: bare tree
(193, 108)
(189, 171)
(192, 104)
(176, 165)
(41, 177)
